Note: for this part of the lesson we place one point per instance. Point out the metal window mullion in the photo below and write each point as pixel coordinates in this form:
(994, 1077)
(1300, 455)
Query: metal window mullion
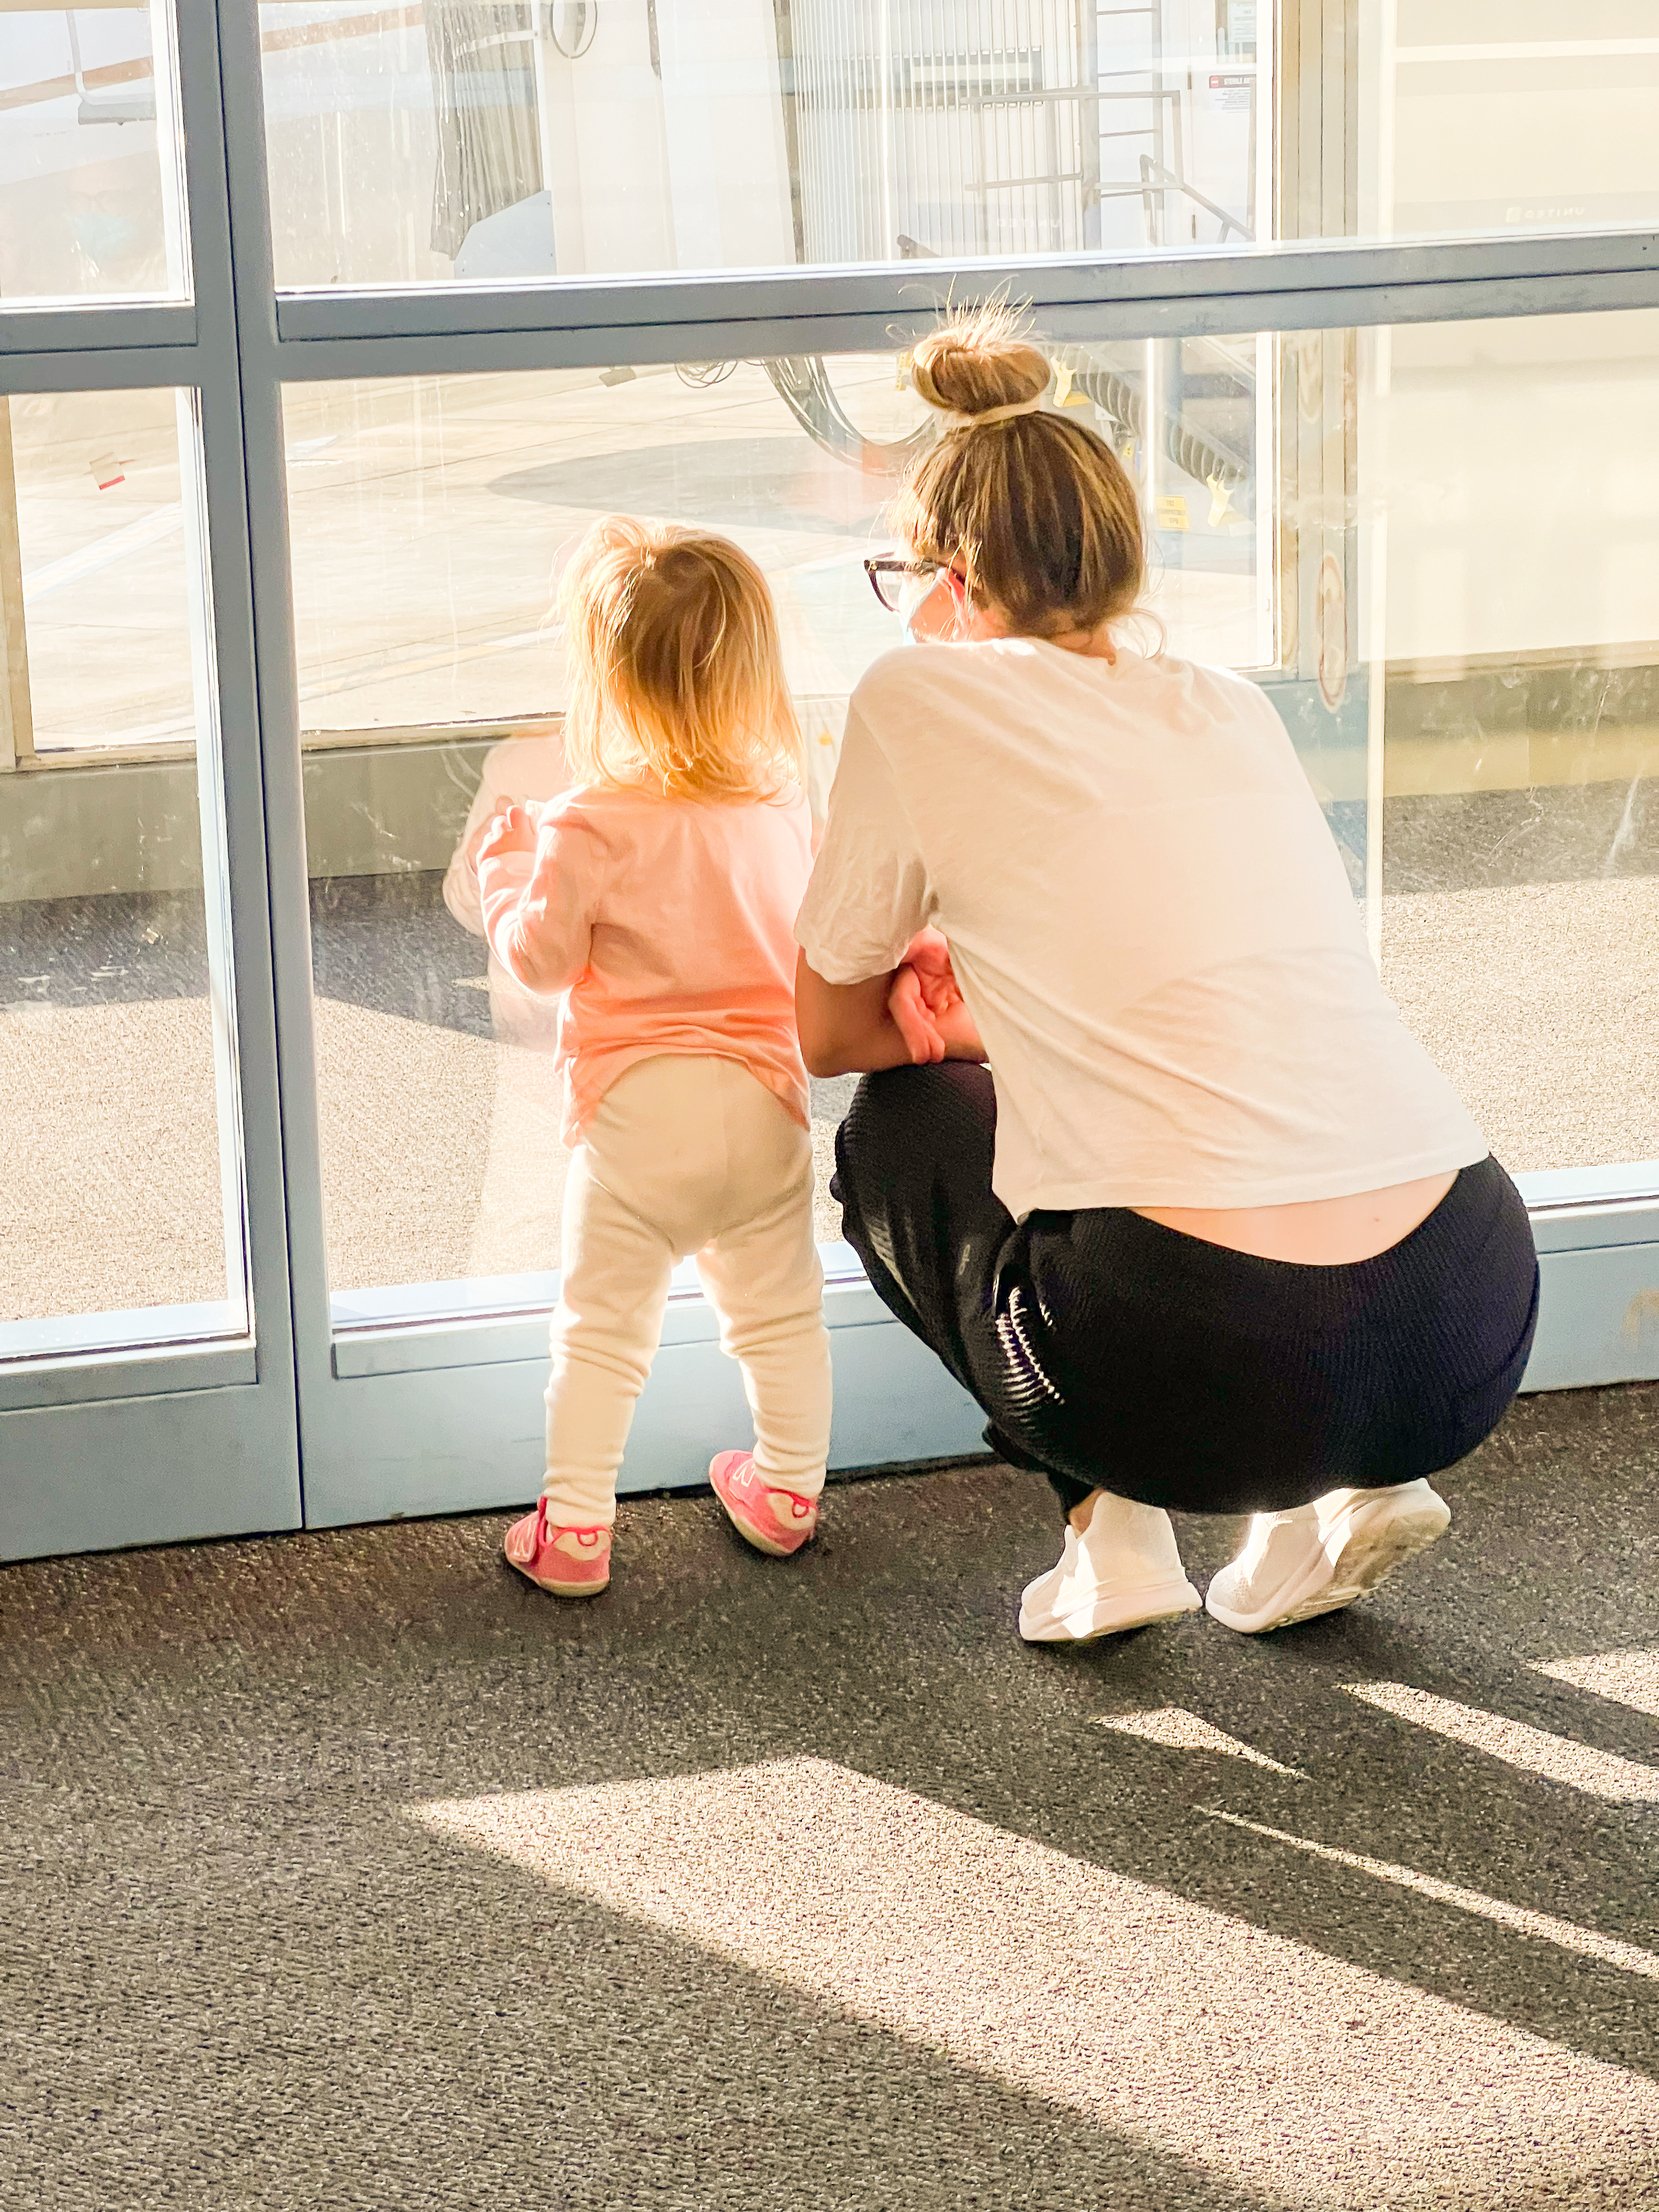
(1206, 291)
(103, 368)
(1102, 320)
(273, 679)
(115, 326)
(16, 712)
(239, 818)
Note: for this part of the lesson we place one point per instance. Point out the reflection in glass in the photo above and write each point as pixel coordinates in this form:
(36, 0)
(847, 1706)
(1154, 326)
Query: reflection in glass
(427, 515)
(121, 1178)
(90, 175)
(1450, 611)
(492, 140)
(427, 520)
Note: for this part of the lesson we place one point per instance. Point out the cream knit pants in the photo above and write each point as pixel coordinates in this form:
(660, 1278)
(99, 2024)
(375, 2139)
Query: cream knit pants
(686, 1155)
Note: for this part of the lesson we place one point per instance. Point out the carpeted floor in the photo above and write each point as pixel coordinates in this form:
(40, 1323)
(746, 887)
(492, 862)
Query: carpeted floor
(348, 1870)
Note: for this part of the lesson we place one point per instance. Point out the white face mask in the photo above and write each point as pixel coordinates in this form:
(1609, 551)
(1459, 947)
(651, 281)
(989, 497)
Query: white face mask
(914, 592)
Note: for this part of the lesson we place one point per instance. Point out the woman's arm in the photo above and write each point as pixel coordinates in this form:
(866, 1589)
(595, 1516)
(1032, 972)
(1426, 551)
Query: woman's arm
(868, 885)
(845, 1028)
(850, 1028)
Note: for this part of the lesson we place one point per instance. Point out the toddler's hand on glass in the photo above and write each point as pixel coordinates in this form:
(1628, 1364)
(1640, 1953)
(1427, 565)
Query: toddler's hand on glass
(513, 830)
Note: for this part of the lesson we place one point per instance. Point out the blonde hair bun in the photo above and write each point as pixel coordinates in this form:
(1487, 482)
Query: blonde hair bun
(979, 362)
(1036, 512)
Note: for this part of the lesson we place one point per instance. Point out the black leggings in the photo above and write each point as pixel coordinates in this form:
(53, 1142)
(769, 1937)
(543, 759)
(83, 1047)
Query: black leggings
(1111, 1352)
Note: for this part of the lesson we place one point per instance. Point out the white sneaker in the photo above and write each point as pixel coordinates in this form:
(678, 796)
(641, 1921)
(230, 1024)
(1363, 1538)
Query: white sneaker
(1123, 1573)
(1325, 1555)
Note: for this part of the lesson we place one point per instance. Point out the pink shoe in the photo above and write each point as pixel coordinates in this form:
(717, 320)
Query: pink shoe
(776, 1521)
(569, 1562)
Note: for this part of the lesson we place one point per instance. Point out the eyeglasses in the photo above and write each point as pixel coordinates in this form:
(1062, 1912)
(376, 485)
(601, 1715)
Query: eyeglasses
(890, 573)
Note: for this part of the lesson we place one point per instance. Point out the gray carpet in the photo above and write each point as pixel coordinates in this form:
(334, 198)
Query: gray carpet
(348, 1870)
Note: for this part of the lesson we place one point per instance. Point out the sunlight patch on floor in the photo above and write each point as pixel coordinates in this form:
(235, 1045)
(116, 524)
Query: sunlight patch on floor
(1179, 1730)
(1627, 1678)
(1609, 1949)
(1253, 2056)
(1553, 1758)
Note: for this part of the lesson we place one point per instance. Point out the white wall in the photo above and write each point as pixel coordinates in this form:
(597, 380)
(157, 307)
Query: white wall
(1522, 486)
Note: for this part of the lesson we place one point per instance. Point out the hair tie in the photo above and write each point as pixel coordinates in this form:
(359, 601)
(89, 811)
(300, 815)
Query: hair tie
(994, 414)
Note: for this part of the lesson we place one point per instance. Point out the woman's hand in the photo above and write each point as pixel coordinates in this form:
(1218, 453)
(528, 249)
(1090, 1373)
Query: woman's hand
(913, 1018)
(926, 1005)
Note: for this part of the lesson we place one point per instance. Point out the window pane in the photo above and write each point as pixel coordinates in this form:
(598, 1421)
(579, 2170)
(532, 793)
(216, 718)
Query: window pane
(427, 517)
(90, 179)
(1441, 570)
(482, 140)
(121, 1176)
(101, 530)
(1517, 463)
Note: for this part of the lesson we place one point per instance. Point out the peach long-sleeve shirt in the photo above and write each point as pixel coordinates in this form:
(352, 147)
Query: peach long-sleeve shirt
(669, 925)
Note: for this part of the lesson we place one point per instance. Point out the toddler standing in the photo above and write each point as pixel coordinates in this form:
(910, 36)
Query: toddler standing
(658, 894)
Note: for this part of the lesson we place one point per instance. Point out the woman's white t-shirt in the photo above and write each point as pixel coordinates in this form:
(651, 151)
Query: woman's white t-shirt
(1148, 919)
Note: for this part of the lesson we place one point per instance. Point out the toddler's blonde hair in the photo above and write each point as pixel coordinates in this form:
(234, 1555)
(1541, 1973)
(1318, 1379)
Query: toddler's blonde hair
(675, 669)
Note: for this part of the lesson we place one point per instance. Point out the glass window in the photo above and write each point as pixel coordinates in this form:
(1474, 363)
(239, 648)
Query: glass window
(99, 527)
(1503, 115)
(1516, 464)
(427, 519)
(484, 140)
(91, 182)
(120, 1181)
(427, 515)
(1431, 546)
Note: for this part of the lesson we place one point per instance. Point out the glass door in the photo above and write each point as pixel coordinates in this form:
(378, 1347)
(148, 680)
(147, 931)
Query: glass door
(146, 1385)
(425, 518)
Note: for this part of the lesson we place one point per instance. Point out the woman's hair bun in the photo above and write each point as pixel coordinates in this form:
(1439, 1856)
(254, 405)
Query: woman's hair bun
(1036, 511)
(978, 358)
